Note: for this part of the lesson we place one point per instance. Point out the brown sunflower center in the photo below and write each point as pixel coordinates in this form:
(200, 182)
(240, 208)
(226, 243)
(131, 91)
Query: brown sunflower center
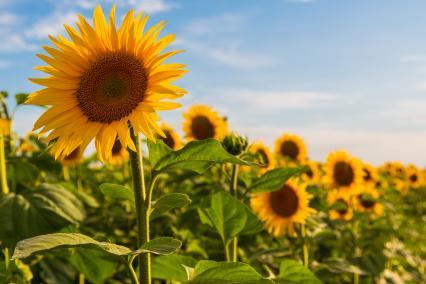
(343, 174)
(285, 201)
(112, 87)
(202, 128)
(73, 155)
(116, 148)
(309, 172)
(367, 201)
(367, 175)
(263, 156)
(342, 210)
(290, 150)
(168, 140)
(413, 178)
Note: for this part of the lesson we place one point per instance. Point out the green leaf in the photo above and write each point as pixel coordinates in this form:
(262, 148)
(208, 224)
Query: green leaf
(23, 171)
(93, 264)
(196, 156)
(168, 202)
(253, 224)
(45, 210)
(274, 179)
(339, 266)
(207, 271)
(157, 151)
(44, 243)
(292, 272)
(172, 267)
(21, 98)
(226, 214)
(116, 191)
(163, 246)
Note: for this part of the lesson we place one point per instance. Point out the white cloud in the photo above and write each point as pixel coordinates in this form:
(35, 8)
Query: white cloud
(13, 42)
(51, 25)
(407, 112)
(4, 64)
(280, 99)
(421, 87)
(216, 25)
(151, 6)
(413, 58)
(7, 18)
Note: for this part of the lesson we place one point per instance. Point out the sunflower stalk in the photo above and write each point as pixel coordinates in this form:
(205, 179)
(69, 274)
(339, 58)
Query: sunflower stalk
(3, 174)
(305, 248)
(234, 192)
(143, 206)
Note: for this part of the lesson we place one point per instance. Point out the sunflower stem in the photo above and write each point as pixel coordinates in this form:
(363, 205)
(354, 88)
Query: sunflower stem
(305, 248)
(3, 174)
(66, 173)
(234, 192)
(143, 206)
(133, 275)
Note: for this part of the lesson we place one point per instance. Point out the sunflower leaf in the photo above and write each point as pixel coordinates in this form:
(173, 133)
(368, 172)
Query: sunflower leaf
(195, 156)
(293, 272)
(274, 179)
(167, 202)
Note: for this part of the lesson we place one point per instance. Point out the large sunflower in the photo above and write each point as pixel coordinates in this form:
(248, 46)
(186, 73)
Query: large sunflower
(171, 138)
(343, 172)
(283, 208)
(103, 79)
(202, 122)
(291, 148)
(340, 205)
(367, 201)
(415, 177)
(264, 155)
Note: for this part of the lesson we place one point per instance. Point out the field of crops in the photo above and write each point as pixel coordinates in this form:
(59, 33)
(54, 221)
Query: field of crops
(149, 206)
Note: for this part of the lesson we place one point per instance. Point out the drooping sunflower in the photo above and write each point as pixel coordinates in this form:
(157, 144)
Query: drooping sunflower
(202, 122)
(367, 201)
(291, 148)
(73, 158)
(282, 209)
(370, 174)
(265, 156)
(343, 172)
(340, 205)
(119, 154)
(313, 174)
(103, 79)
(415, 177)
(171, 138)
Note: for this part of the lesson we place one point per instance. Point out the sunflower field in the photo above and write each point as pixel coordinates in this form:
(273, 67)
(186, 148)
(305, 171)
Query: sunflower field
(149, 206)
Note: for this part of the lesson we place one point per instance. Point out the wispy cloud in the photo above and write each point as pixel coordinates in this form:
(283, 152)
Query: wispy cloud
(413, 58)
(407, 112)
(7, 18)
(4, 64)
(280, 99)
(51, 25)
(216, 25)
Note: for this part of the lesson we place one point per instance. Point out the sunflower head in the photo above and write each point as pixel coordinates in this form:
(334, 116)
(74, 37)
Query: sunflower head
(312, 175)
(340, 205)
(263, 156)
(367, 201)
(370, 174)
(103, 79)
(283, 208)
(202, 122)
(415, 177)
(291, 148)
(171, 138)
(235, 144)
(343, 172)
(72, 159)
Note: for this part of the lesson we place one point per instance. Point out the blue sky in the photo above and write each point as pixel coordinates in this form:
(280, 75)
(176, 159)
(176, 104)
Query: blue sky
(340, 73)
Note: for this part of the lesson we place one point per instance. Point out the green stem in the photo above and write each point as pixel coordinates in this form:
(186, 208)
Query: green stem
(305, 248)
(66, 173)
(3, 174)
(6, 258)
(227, 255)
(78, 178)
(357, 250)
(356, 278)
(133, 275)
(81, 278)
(234, 192)
(143, 204)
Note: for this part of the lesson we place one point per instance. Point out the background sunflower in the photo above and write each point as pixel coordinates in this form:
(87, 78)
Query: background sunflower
(291, 147)
(202, 122)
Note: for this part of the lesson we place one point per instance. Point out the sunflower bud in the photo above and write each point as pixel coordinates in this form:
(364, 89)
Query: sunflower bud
(235, 144)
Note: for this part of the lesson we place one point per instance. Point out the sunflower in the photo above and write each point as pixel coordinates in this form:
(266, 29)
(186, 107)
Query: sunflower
(340, 205)
(103, 79)
(171, 138)
(370, 174)
(393, 169)
(119, 154)
(415, 177)
(313, 174)
(202, 122)
(367, 201)
(27, 145)
(343, 172)
(264, 156)
(291, 148)
(73, 158)
(283, 208)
